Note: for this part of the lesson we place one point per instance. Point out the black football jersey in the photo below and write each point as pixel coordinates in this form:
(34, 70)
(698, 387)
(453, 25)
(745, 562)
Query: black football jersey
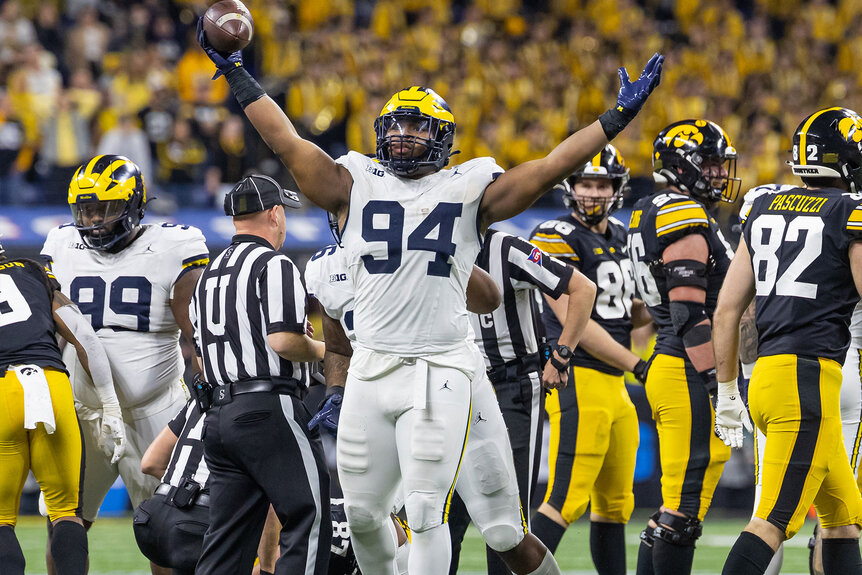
(658, 221)
(26, 317)
(798, 240)
(605, 260)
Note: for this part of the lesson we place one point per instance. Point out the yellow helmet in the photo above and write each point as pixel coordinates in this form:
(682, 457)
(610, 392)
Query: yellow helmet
(108, 198)
(414, 116)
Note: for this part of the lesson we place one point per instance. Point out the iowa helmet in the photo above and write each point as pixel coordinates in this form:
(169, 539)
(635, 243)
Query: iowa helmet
(421, 111)
(828, 144)
(679, 154)
(107, 197)
(607, 164)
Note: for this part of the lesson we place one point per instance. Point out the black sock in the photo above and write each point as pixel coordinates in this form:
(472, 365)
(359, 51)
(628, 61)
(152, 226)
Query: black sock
(608, 547)
(670, 559)
(547, 530)
(841, 556)
(750, 555)
(644, 566)
(262, 572)
(69, 548)
(11, 556)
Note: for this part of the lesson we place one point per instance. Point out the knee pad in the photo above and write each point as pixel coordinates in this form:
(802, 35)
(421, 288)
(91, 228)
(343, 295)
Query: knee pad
(648, 534)
(424, 510)
(361, 519)
(681, 531)
(502, 537)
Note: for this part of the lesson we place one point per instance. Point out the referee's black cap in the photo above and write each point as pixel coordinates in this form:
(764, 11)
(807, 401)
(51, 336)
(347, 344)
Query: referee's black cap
(257, 193)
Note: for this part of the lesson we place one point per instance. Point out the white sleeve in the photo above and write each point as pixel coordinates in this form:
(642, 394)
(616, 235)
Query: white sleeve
(100, 369)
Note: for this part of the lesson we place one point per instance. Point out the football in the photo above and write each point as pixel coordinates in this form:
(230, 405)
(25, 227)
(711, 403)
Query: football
(228, 26)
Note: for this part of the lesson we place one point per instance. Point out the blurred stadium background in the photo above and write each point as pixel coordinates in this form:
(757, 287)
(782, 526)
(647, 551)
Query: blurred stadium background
(80, 77)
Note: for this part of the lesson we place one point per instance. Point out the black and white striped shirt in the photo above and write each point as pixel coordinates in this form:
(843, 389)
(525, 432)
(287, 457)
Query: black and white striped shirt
(247, 292)
(187, 458)
(518, 268)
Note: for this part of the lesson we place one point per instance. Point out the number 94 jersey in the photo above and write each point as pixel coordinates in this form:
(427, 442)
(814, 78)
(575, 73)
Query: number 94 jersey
(604, 259)
(658, 221)
(798, 240)
(410, 247)
(126, 296)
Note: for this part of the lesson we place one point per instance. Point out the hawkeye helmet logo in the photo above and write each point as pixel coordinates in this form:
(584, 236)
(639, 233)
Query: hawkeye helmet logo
(680, 135)
(851, 128)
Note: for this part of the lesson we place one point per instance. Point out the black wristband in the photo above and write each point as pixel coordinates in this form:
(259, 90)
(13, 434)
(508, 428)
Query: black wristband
(558, 365)
(615, 120)
(640, 370)
(709, 380)
(334, 390)
(244, 87)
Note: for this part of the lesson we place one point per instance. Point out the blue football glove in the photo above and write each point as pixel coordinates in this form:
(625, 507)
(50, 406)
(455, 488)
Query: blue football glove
(632, 95)
(222, 62)
(330, 411)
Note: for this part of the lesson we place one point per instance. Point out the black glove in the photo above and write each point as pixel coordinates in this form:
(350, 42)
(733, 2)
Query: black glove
(640, 370)
(223, 62)
(329, 412)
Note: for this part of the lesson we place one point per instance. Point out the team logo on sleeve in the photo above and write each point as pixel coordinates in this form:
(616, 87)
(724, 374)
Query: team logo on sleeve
(536, 256)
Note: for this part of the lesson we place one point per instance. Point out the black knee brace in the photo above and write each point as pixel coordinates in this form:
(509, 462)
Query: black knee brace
(647, 535)
(682, 531)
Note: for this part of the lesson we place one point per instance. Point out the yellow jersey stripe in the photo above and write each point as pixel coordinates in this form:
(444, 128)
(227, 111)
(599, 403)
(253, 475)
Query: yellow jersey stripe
(695, 213)
(855, 216)
(560, 250)
(681, 225)
(804, 132)
(554, 237)
(679, 206)
(197, 263)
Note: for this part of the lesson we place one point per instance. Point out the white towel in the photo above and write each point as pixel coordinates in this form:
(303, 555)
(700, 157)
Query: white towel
(37, 397)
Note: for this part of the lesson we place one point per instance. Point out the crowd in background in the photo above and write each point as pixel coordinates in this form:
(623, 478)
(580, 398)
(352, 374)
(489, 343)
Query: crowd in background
(96, 76)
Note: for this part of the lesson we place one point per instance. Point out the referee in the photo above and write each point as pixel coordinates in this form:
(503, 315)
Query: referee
(508, 340)
(249, 315)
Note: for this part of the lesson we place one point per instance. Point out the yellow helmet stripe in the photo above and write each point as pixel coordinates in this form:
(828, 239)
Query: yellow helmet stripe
(597, 160)
(804, 132)
(89, 169)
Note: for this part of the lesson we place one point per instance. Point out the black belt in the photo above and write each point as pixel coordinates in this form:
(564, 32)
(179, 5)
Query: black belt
(224, 393)
(512, 369)
(168, 490)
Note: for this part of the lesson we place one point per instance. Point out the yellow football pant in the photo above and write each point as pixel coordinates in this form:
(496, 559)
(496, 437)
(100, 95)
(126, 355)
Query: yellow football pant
(795, 402)
(692, 456)
(593, 444)
(56, 459)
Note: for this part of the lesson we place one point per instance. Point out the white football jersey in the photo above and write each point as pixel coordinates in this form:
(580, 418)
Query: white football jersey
(856, 326)
(126, 296)
(410, 247)
(327, 278)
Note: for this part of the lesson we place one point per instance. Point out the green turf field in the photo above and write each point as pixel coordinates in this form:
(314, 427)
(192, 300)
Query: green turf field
(113, 550)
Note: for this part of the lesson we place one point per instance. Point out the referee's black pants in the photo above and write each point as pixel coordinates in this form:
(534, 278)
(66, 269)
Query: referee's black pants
(169, 536)
(259, 451)
(515, 396)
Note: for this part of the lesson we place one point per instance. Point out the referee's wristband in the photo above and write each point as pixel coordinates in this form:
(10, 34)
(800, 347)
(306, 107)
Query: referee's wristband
(245, 88)
(558, 365)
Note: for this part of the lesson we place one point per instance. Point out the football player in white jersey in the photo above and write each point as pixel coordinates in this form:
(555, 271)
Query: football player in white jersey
(134, 282)
(488, 483)
(411, 238)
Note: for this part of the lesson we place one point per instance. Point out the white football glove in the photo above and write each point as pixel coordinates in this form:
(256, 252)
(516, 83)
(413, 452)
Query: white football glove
(112, 435)
(731, 415)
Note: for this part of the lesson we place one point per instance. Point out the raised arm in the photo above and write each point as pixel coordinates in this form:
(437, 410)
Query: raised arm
(516, 190)
(319, 178)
